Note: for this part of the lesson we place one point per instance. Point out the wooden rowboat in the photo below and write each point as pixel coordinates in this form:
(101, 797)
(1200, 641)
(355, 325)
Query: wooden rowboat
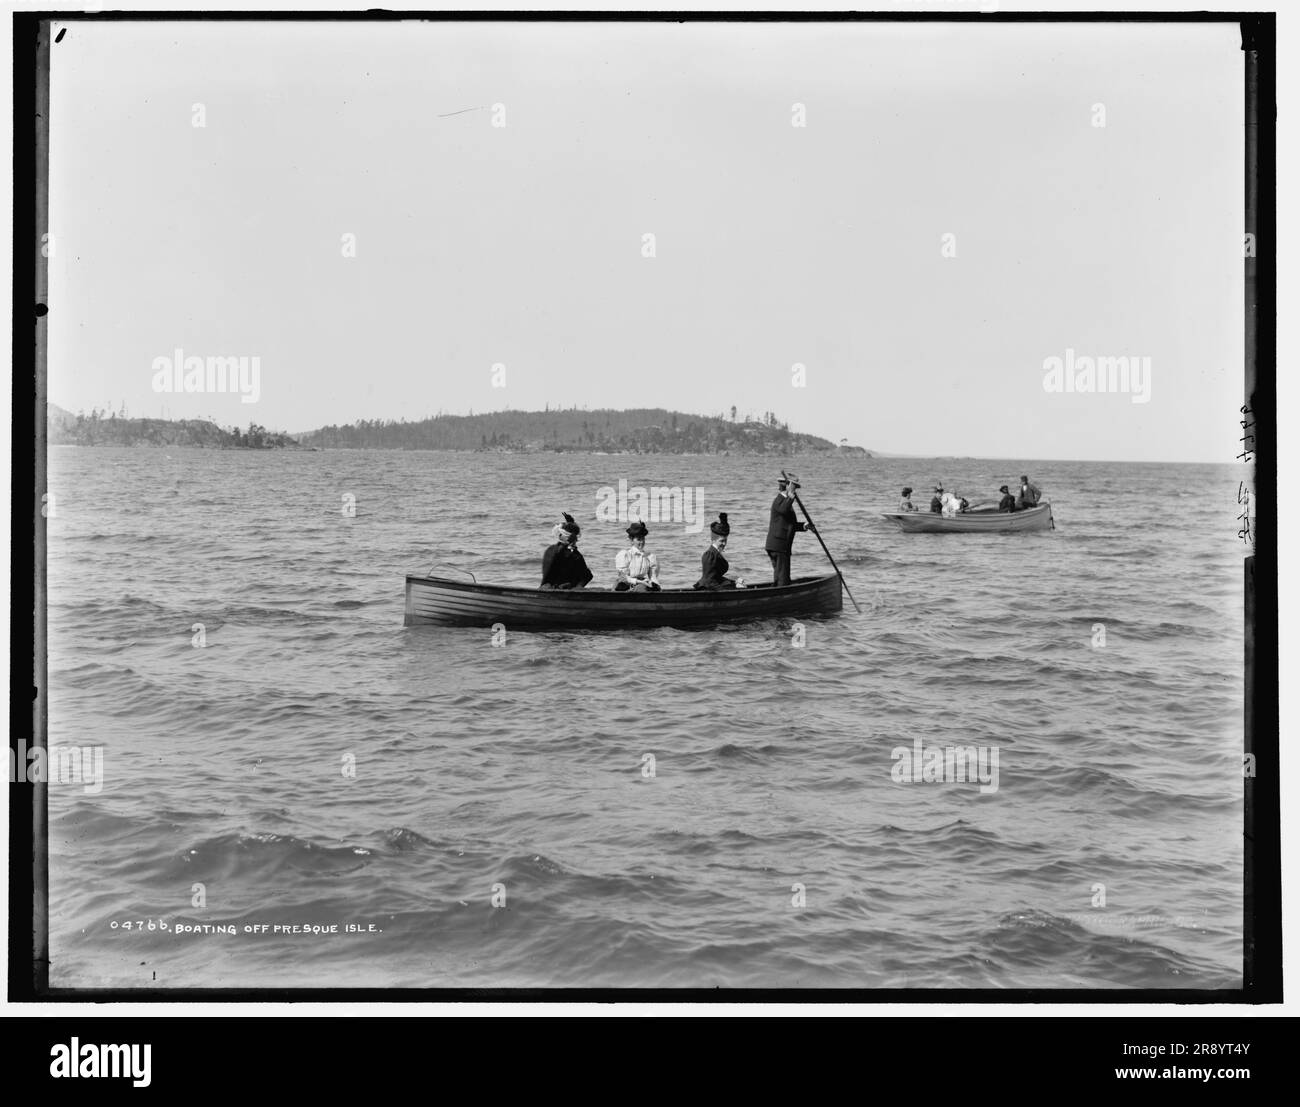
(437, 601)
(986, 522)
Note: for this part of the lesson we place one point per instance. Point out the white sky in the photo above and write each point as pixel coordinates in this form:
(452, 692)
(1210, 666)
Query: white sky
(775, 244)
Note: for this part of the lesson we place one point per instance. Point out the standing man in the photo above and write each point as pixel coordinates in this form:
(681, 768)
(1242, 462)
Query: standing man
(781, 531)
(1029, 495)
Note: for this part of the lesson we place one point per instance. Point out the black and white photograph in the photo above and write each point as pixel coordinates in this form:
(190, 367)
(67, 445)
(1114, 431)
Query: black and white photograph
(758, 506)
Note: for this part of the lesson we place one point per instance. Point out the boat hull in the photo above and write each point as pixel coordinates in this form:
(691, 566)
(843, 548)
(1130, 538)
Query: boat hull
(436, 601)
(978, 522)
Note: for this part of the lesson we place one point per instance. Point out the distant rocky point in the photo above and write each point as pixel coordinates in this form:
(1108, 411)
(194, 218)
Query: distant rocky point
(111, 429)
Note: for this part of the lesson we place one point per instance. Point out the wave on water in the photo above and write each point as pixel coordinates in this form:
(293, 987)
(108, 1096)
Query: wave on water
(1038, 944)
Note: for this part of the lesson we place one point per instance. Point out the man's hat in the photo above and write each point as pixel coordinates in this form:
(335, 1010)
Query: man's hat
(637, 530)
(1025, 479)
(789, 478)
(721, 528)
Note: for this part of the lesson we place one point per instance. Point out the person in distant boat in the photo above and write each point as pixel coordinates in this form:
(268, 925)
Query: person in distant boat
(1008, 501)
(637, 570)
(562, 565)
(1029, 495)
(782, 528)
(950, 504)
(936, 504)
(906, 504)
(713, 563)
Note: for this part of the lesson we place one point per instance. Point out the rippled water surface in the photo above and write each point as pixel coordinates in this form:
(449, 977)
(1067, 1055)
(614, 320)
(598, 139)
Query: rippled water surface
(771, 847)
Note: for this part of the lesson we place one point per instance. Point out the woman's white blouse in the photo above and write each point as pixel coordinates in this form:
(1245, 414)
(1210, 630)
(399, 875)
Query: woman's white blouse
(637, 564)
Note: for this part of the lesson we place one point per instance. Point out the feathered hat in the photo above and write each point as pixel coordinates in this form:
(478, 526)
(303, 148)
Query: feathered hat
(568, 530)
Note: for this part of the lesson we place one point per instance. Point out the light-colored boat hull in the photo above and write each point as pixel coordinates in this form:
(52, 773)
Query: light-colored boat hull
(977, 522)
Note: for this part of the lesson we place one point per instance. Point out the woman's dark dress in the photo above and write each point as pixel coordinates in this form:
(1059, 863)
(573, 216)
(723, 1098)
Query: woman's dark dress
(564, 567)
(714, 565)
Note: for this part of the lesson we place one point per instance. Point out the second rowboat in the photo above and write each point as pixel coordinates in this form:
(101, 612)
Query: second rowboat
(985, 522)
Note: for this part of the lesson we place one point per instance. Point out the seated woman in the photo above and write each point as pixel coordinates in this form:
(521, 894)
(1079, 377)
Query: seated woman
(713, 563)
(562, 565)
(1008, 501)
(637, 570)
(936, 504)
(906, 503)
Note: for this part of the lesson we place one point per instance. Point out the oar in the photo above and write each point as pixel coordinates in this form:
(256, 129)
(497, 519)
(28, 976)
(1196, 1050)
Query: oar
(827, 552)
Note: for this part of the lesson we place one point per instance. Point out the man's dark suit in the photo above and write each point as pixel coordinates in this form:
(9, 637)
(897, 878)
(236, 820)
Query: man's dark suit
(780, 537)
